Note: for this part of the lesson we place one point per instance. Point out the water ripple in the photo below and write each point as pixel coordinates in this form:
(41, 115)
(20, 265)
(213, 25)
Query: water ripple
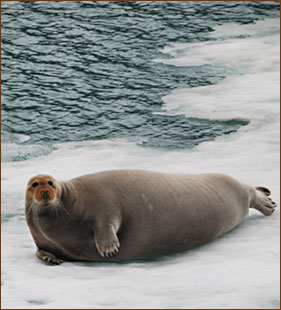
(83, 70)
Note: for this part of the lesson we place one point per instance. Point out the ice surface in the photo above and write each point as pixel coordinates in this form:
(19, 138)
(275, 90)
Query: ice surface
(238, 270)
(256, 48)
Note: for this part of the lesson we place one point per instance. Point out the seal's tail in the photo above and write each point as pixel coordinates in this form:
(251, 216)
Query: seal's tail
(264, 203)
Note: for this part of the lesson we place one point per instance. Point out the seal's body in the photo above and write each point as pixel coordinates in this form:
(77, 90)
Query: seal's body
(130, 214)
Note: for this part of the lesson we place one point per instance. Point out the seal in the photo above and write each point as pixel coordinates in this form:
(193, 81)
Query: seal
(132, 214)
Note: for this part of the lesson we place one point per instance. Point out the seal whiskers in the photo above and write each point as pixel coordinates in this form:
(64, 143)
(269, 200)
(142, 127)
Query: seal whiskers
(32, 210)
(59, 210)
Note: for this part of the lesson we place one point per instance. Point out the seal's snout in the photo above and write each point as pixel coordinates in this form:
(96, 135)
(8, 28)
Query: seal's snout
(45, 194)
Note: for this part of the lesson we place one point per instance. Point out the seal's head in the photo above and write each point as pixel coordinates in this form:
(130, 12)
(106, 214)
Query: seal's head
(42, 189)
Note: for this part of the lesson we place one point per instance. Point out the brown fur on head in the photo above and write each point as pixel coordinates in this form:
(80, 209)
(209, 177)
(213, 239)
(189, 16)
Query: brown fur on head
(42, 189)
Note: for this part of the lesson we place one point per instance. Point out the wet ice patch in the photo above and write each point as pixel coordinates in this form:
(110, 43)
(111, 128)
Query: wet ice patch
(15, 148)
(18, 152)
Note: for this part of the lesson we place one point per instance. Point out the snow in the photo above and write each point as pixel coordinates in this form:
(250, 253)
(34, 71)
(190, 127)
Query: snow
(239, 270)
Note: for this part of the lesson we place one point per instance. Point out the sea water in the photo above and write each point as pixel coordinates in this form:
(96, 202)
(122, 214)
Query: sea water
(182, 87)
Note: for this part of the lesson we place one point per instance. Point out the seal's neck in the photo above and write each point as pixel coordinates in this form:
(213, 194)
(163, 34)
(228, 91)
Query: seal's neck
(67, 194)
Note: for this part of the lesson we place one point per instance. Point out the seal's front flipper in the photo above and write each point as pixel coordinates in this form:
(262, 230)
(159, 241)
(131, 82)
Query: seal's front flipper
(107, 242)
(48, 257)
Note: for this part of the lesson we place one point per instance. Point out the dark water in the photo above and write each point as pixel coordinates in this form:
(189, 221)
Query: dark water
(75, 71)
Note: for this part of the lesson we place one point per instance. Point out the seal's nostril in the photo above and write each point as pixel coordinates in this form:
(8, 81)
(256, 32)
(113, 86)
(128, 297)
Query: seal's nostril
(45, 194)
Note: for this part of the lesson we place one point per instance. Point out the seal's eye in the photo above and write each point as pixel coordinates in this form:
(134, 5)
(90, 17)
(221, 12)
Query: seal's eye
(50, 183)
(35, 184)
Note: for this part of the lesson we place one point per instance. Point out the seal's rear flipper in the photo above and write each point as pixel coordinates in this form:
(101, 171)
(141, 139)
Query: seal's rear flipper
(265, 190)
(263, 203)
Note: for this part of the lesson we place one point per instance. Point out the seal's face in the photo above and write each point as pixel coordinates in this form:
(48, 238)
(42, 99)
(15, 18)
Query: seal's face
(42, 189)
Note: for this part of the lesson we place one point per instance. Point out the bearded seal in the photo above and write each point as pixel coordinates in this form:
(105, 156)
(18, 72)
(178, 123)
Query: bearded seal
(132, 214)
